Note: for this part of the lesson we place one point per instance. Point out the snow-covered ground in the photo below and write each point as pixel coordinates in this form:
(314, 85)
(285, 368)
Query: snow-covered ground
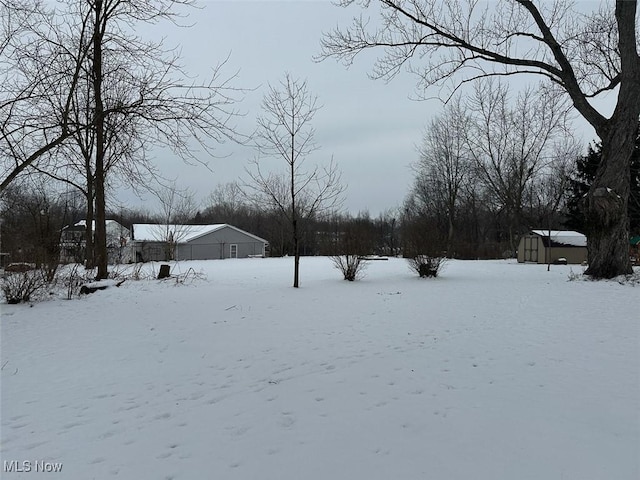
(493, 371)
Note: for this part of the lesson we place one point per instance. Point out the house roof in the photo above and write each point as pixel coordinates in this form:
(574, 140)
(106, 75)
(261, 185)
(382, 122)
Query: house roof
(562, 238)
(149, 232)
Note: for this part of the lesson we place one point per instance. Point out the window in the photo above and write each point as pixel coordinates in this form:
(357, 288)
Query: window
(233, 251)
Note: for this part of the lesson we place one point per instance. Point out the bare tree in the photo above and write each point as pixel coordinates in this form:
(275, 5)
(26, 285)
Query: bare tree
(33, 216)
(551, 189)
(548, 195)
(226, 201)
(177, 209)
(511, 144)
(445, 162)
(134, 90)
(41, 58)
(285, 132)
(125, 152)
(582, 54)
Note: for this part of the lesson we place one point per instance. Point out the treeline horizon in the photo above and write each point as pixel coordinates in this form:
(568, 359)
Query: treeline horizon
(34, 214)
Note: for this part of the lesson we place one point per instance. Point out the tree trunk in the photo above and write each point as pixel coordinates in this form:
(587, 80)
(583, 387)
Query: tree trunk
(101, 233)
(89, 258)
(294, 216)
(296, 253)
(296, 256)
(605, 205)
(450, 236)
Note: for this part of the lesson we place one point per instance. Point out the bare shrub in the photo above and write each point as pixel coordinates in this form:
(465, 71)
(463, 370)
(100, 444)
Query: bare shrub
(23, 286)
(426, 265)
(49, 268)
(189, 277)
(72, 278)
(573, 276)
(138, 273)
(135, 272)
(351, 266)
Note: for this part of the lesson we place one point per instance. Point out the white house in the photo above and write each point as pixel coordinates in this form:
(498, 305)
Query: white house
(73, 242)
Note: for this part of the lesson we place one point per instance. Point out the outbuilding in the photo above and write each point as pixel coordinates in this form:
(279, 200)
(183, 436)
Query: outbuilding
(73, 242)
(553, 246)
(153, 242)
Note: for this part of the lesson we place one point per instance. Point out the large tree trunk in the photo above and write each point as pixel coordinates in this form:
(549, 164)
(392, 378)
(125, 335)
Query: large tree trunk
(101, 232)
(606, 203)
(89, 258)
(450, 235)
(606, 216)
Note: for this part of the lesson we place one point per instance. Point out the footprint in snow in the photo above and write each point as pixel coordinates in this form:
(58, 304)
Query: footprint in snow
(286, 420)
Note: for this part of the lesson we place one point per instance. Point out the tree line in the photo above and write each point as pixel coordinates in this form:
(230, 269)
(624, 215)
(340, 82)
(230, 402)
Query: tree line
(437, 217)
(83, 99)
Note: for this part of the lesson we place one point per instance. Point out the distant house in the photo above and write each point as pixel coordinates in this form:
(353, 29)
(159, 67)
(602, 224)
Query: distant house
(544, 246)
(153, 242)
(73, 242)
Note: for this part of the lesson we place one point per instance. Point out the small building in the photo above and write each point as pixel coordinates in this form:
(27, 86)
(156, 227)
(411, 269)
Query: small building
(73, 242)
(634, 249)
(553, 246)
(155, 242)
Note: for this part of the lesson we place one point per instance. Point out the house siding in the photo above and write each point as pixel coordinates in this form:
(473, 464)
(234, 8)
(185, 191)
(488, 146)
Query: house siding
(214, 245)
(574, 255)
(217, 245)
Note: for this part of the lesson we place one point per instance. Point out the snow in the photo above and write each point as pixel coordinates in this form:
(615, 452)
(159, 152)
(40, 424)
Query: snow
(103, 284)
(565, 237)
(145, 232)
(495, 370)
(83, 223)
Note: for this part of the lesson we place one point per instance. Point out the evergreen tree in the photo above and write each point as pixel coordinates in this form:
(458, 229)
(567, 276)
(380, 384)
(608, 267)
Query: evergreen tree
(585, 172)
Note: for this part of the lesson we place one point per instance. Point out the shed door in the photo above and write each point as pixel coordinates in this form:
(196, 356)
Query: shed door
(233, 251)
(531, 249)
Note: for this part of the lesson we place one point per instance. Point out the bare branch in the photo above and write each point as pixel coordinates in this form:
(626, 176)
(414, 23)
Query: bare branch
(458, 42)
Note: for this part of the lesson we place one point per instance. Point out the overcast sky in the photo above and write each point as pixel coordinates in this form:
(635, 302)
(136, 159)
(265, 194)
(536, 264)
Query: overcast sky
(371, 128)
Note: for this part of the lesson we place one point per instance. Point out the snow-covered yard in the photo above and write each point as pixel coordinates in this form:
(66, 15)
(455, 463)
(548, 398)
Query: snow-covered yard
(495, 370)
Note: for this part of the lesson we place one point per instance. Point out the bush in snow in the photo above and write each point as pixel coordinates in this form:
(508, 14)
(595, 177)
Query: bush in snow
(351, 266)
(426, 265)
(22, 286)
(72, 277)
